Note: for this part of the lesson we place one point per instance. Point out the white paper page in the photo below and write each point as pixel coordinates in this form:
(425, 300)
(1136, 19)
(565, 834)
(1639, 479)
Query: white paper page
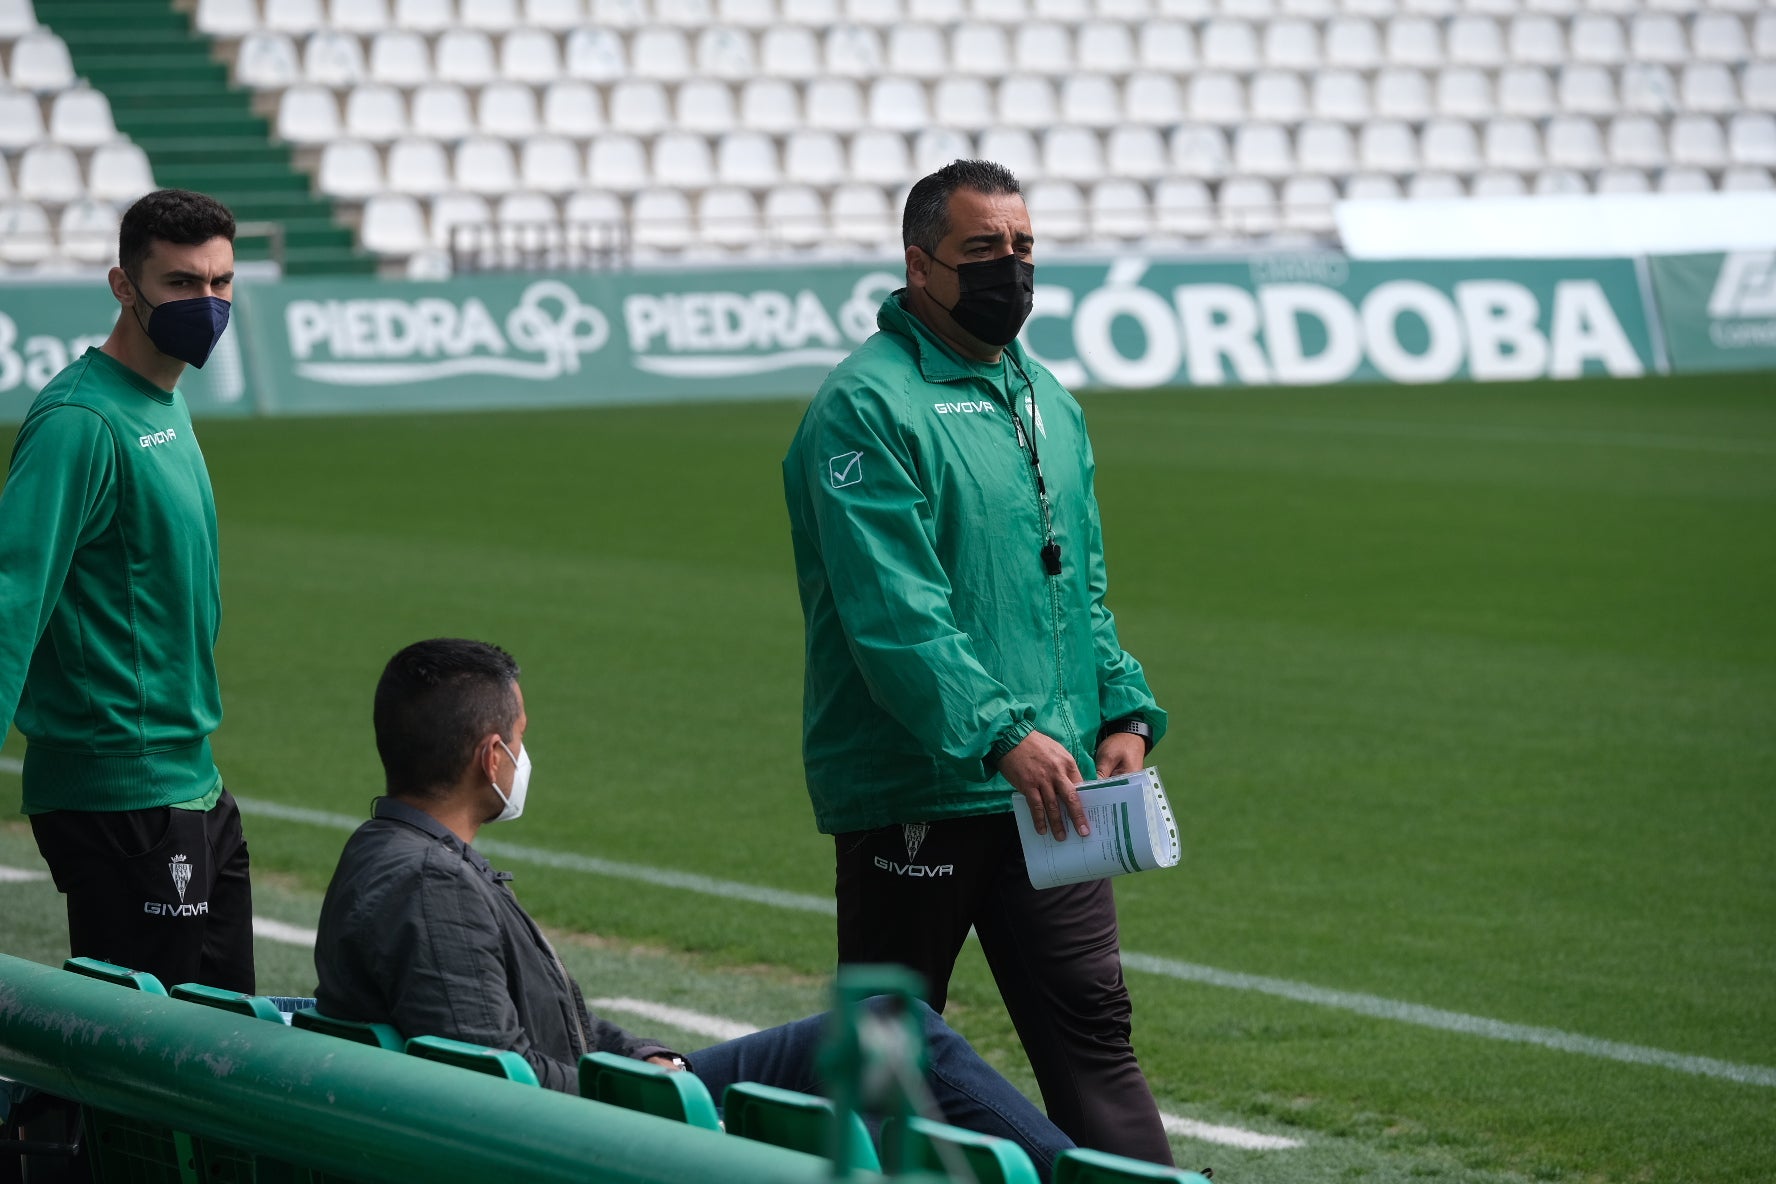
(1132, 829)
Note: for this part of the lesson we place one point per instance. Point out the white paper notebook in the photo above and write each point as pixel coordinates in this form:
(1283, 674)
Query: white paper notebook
(1132, 830)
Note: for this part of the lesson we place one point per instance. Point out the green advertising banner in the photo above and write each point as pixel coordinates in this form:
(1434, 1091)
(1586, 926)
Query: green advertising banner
(44, 326)
(323, 346)
(1719, 311)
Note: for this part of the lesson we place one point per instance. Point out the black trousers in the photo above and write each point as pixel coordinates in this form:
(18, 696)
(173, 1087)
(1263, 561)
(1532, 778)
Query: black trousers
(160, 890)
(908, 894)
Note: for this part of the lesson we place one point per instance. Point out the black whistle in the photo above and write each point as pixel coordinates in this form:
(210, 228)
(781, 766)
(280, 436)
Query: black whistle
(1051, 559)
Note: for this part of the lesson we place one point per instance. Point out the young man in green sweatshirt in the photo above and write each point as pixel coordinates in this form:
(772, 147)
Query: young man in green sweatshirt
(110, 601)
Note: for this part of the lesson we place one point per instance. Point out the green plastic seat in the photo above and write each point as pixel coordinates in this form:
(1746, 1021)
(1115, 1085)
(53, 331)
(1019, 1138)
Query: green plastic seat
(800, 1122)
(1080, 1166)
(375, 1035)
(253, 1006)
(650, 1089)
(496, 1062)
(110, 972)
(934, 1146)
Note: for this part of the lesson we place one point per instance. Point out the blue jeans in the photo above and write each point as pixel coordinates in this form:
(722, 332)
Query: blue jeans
(970, 1093)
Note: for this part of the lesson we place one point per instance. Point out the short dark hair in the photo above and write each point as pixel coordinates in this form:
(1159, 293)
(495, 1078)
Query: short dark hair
(436, 700)
(926, 219)
(171, 216)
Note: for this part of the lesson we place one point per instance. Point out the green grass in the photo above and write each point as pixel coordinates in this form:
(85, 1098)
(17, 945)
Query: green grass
(1473, 694)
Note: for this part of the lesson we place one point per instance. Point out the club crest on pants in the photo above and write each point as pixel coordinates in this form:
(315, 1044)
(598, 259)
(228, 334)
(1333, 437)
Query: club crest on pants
(914, 834)
(181, 875)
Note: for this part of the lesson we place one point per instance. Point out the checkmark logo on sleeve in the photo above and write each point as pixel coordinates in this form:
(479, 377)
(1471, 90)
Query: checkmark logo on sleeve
(845, 469)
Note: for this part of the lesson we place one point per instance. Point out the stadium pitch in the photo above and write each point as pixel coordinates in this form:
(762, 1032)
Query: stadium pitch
(1473, 694)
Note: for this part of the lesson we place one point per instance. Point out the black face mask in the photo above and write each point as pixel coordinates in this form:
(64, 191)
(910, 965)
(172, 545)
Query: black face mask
(996, 297)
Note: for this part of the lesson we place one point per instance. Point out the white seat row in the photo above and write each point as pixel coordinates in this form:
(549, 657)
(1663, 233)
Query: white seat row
(51, 173)
(619, 163)
(312, 115)
(85, 231)
(80, 117)
(336, 58)
(16, 18)
(236, 18)
(39, 62)
(1108, 210)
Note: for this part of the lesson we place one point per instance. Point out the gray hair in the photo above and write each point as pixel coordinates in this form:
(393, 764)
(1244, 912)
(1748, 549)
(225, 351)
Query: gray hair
(927, 217)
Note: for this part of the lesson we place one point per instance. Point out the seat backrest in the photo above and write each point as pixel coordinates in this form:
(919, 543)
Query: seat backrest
(255, 1006)
(650, 1089)
(110, 972)
(800, 1122)
(495, 1062)
(1080, 1166)
(375, 1035)
(935, 1147)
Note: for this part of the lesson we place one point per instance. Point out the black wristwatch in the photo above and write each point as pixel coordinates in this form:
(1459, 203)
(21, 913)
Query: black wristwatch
(1133, 725)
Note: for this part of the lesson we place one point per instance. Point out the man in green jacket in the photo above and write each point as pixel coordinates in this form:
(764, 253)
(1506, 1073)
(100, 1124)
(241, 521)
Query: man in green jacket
(110, 601)
(951, 570)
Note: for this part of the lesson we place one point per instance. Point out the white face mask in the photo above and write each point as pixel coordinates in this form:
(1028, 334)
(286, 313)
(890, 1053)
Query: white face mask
(514, 803)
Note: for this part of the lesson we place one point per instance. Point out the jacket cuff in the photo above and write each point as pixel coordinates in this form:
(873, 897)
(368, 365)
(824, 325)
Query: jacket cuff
(1008, 740)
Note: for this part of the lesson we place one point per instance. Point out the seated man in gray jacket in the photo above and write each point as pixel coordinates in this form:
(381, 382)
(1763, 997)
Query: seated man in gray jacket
(418, 931)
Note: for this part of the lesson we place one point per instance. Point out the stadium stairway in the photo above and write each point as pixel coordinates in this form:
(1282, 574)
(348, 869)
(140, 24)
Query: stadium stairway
(174, 99)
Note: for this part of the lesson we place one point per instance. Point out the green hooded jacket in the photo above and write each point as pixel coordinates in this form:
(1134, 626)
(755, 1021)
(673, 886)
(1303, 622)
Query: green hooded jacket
(936, 640)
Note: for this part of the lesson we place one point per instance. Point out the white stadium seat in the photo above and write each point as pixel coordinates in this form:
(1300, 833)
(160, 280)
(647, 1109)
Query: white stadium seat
(639, 106)
(295, 16)
(1307, 204)
(747, 159)
(555, 15)
(1743, 179)
(853, 52)
(1513, 145)
(1402, 94)
(333, 59)
(795, 215)
(550, 164)
(507, 109)
(1684, 180)
(25, 234)
(1465, 93)
(1119, 210)
(1058, 208)
(937, 146)
(1708, 88)
(1182, 207)
(596, 55)
(1751, 139)
(1414, 41)
(226, 18)
(1573, 142)
(118, 172)
(1434, 186)
(1637, 141)
(880, 157)
(530, 55)
(616, 161)
(1027, 102)
(1090, 100)
(307, 115)
(1229, 45)
(1757, 86)
(1588, 90)
(789, 52)
(1200, 151)
(593, 208)
(87, 231)
(1595, 37)
(465, 56)
(1292, 45)
(572, 108)
(1325, 149)
(813, 158)
(1526, 91)
(1719, 37)
(1014, 148)
(617, 14)
(1560, 182)
(526, 209)
(267, 61)
(1497, 184)
(441, 110)
(1449, 145)
(1763, 35)
(1341, 95)
(1043, 48)
(1105, 48)
(424, 16)
(1623, 180)
(1216, 98)
(918, 51)
(1152, 99)
(835, 104)
(1387, 146)
(350, 169)
(419, 167)
(457, 209)
(400, 57)
(82, 118)
(705, 105)
(1278, 97)
(358, 16)
(980, 50)
(5, 178)
(1657, 37)
(1536, 39)
(1072, 153)
(1262, 150)
(898, 103)
(1247, 206)
(728, 217)
(1353, 42)
(49, 173)
(1697, 141)
(375, 112)
(1476, 40)
(491, 15)
(769, 105)
(682, 161)
(861, 214)
(1371, 187)
(1167, 46)
(1136, 152)
(40, 62)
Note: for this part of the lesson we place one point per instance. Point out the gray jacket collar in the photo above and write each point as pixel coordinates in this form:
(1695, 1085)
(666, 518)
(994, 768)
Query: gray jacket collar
(398, 811)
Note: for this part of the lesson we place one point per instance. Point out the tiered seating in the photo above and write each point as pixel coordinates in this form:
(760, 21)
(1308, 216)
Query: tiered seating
(65, 170)
(727, 124)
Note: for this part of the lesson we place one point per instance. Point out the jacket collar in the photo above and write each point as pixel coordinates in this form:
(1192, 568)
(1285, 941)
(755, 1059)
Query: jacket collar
(937, 361)
(398, 811)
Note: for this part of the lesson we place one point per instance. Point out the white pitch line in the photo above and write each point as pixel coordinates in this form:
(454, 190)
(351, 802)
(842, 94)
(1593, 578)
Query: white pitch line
(1374, 1006)
(21, 875)
(11, 764)
(1227, 1136)
(291, 935)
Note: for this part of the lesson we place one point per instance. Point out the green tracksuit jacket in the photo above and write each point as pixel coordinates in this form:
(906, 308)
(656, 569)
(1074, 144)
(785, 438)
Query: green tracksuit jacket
(110, 597)
(935, 639)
